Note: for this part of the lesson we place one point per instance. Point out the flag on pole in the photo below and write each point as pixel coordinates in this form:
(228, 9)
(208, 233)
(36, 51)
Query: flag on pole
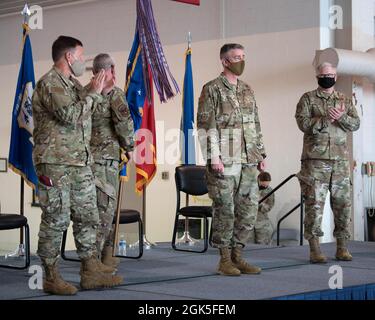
(142, 112)
(21, 143)
(147, 65)
(145, 151)
(135, 91)
(135, 84)
(187, 141)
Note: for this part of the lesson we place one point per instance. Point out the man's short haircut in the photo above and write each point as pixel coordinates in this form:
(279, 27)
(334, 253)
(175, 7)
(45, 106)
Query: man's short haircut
(264, 176)
(102, 61)
(62, 45)
(228, 47)
(323, 65)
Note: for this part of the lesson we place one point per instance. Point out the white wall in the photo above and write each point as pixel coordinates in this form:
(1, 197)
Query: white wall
(280, 39)
(364, 140)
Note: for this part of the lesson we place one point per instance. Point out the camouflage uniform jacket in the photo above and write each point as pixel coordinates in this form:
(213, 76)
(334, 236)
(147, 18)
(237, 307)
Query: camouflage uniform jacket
(229, 115)
(324, 140)
(112, 127)
(62, 118)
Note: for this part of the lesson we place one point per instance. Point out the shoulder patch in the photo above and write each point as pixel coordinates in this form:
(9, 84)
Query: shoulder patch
(57, 90)
(118, 102)
(123, 110)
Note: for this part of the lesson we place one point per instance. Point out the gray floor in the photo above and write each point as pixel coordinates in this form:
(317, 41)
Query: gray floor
(164, 274)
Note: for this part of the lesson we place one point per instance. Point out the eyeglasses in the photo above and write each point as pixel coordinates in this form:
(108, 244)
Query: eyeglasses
(236, 58)
(328, 75)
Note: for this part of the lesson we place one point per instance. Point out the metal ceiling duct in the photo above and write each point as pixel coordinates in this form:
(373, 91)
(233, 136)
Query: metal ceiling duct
(349, 63)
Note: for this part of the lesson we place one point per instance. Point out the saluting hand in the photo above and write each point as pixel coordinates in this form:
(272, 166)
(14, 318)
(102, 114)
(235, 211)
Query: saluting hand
(97, 82)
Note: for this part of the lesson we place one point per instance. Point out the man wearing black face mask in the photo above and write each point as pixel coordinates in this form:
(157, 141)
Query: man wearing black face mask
(232, 142)
(326, 117)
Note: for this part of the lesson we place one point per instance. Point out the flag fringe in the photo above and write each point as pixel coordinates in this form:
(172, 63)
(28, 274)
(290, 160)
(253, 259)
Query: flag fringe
(19, 172)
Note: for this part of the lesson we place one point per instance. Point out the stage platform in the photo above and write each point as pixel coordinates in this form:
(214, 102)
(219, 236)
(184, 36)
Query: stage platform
(164, 274)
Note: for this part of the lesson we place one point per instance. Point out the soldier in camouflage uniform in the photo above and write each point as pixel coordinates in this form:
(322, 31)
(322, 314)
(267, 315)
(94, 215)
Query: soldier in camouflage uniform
(263, 229)
(112, 128)
(62, 158)
(326, 117)
(232, 143)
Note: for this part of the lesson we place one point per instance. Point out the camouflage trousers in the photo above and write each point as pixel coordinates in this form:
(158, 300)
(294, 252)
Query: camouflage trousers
(317, 177)
(72, 196)
(235, 205)
(106, 175)
(263, 230)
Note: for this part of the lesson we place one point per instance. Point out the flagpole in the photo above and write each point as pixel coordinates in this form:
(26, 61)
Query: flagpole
(146, 244)
(22, 207)
(20, 251)
(118, 213)
(189, 40)
(186, 238)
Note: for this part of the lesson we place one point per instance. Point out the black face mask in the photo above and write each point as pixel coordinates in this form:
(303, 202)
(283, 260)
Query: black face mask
(326, 83)
(262, 188)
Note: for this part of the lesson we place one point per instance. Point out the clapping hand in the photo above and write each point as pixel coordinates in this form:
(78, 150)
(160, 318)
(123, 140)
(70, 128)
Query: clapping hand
(336, 113)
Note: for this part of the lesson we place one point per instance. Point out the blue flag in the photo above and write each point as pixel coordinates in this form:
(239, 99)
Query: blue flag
(135, 84)
(187, 142)
(134, 89)
(21, 143)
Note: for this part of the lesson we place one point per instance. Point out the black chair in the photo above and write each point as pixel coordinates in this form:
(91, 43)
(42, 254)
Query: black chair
(132, 216)
(190, 179)
(16, 221)
(126, 217)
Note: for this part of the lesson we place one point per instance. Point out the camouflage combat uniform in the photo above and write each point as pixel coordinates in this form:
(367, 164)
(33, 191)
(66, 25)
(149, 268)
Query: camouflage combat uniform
(112, 128)
(62, 117)
(325, 160)
(228, 127)
(263, 229)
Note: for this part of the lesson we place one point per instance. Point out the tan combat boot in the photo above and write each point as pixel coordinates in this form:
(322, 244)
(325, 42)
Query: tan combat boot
(342, 252)
(241, 264)
(108, 259)
(226, 267)
(105, 268)
(54, 283)
(316, 255)
(92, 277)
